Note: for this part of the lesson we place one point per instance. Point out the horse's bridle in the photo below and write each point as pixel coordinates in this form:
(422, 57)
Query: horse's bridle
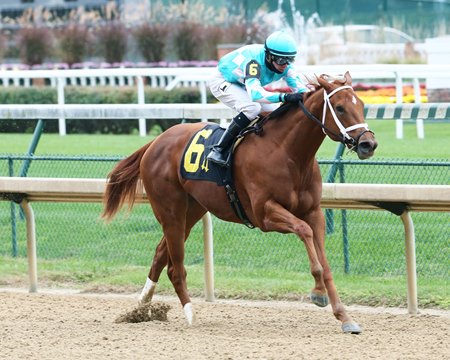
(344, 137)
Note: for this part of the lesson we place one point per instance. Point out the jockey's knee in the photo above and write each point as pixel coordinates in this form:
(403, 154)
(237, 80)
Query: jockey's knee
(251, 110)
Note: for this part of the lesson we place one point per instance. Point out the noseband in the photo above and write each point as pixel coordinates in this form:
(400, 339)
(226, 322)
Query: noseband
(344, 137)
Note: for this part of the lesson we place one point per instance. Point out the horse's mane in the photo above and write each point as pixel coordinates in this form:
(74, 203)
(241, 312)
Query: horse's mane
(313, 84)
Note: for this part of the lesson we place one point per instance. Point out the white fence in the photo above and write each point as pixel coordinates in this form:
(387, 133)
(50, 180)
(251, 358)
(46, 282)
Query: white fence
(169, 78)
(416, 112)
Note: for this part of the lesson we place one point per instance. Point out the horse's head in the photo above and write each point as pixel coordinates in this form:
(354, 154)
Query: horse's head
(343, 115)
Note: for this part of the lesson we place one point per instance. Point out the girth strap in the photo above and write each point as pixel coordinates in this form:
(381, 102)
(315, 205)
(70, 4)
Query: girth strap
(237, 206)
(230, 190)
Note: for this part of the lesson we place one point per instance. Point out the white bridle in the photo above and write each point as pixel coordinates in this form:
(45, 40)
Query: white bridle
(344, 131)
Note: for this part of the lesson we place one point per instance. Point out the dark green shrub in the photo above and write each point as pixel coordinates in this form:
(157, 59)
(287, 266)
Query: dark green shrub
(188, 40)
(237, 34)
(35, 44)
(213, 36)
(73, 42)
(151, 40)
(31, 95)
(3, 46)
(112, 39)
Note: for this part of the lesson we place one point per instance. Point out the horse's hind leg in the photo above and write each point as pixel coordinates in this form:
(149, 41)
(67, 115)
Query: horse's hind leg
(161, 258)
(159, 262)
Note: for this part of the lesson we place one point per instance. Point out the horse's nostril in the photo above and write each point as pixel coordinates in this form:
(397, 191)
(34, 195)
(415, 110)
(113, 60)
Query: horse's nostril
(365, 146)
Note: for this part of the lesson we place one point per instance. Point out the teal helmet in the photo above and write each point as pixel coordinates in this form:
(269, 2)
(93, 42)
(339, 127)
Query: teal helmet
(281, 44)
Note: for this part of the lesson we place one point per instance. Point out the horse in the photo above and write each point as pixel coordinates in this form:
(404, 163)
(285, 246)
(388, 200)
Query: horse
(277, 180)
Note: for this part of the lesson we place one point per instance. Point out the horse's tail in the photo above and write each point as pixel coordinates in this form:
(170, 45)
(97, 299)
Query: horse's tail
(122, 184)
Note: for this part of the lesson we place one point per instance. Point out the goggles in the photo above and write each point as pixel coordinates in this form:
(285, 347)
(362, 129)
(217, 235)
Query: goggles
(286, 60)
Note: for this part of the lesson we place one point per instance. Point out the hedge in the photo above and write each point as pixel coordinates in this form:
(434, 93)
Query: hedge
(97, 95)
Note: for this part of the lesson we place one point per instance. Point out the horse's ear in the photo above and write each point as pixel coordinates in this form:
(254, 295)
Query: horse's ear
(348, 78)
(311, 81)
(323, 81)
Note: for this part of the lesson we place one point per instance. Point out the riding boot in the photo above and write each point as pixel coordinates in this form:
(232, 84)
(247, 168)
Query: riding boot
(218, 154)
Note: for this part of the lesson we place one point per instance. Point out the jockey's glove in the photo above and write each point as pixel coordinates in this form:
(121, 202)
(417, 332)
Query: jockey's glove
(293, 98)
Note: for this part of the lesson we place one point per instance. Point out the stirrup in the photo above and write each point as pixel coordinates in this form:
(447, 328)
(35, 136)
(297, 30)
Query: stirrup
(217, 157)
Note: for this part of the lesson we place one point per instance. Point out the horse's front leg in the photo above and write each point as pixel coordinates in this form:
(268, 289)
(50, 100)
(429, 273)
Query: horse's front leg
(316, 220)
(277, 218)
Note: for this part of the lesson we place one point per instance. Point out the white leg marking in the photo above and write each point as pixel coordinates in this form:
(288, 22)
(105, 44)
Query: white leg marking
(189, 313)
(147, 292)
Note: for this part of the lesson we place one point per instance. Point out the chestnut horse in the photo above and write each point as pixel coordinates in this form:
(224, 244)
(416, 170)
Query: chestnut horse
(277, 179)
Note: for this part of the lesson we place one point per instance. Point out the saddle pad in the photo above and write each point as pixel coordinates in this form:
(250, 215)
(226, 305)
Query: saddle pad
(194, 165)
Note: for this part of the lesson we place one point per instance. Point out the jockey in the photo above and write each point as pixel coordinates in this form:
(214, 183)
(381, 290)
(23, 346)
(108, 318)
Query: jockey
(239, 83)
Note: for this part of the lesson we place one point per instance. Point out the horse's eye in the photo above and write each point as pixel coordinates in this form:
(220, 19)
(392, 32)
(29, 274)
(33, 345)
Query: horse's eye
(340, 109)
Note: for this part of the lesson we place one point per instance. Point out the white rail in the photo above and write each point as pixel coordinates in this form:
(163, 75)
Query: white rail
(342, 196)
(426, 111)
(169, 78)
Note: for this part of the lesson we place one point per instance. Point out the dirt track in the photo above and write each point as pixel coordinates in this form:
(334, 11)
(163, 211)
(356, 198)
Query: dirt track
(80, 326)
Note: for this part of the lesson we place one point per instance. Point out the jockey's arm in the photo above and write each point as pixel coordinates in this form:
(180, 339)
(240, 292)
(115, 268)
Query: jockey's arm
(259, 94)
(294, 82)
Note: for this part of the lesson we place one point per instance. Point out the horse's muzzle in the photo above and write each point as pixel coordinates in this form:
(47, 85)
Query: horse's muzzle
(366, 146)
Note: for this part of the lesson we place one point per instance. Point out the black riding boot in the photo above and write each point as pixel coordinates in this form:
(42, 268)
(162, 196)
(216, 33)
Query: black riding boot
(217, 154)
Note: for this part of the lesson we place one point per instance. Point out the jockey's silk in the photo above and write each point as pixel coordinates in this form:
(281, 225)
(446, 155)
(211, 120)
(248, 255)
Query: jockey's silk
(236, 67)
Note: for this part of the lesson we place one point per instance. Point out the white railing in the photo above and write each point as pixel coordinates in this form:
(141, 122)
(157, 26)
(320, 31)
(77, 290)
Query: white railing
(170, 78)
(416, 112)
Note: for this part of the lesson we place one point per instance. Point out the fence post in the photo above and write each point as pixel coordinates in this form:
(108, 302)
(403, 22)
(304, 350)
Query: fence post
(202, 87)
(32, 148)
(61, 101)
(141, 100)
(410, 254)
(419, 122)
(13, 215)
(399, 100)
(346, 245)
(209, 257)
(330, 179)
(31, 244)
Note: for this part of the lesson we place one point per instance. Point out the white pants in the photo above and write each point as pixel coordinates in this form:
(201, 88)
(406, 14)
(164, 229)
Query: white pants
(236, 97)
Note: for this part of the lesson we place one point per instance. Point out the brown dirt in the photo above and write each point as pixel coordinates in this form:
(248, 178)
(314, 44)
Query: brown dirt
(145, 312)
(70, 325)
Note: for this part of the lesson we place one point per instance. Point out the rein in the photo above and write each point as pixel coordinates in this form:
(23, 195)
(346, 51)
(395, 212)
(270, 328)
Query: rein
(344, 137)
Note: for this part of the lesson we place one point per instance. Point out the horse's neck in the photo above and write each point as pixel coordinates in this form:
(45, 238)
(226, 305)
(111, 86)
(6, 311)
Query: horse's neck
(300, 136)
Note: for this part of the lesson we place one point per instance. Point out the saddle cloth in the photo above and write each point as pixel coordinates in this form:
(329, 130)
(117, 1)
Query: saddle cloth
(194, 164)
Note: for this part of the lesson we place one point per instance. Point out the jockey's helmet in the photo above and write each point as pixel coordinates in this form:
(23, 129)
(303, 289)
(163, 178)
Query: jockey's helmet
(281, 44)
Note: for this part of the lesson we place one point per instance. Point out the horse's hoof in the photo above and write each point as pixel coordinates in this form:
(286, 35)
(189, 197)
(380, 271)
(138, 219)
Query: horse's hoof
(351, 328)
(319, 300)
(189, 313)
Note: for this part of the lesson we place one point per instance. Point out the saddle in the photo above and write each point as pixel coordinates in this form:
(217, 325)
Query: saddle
(195, 165)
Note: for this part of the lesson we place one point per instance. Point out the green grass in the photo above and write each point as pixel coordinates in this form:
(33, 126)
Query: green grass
(81, 252)
(230, 282)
